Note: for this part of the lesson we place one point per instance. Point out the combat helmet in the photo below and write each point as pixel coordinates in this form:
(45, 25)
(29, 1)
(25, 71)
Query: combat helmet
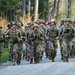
(67, 20)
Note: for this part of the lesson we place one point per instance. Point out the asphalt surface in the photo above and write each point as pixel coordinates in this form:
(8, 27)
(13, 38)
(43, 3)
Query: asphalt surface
(46, 67)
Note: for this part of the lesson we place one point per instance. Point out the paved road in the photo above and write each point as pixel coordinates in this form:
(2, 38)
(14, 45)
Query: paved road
(46, 67)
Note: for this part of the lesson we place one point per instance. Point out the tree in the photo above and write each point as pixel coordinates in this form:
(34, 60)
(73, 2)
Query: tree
(29, 7)
(8, 8)
(57, 9)
(23, 10)
(69, 9)
(53, 10)
(48, 9)
(36, 10)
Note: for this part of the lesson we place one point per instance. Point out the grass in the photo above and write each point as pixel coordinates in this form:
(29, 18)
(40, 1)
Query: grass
(4, 56)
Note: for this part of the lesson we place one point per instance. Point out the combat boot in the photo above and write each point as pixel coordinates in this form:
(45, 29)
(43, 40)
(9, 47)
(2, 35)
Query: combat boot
(52, 59)
(27, 58)
(67, 59)
(40, 58)
(64, 59)
(31, 61)
(14, 63)
(72, 55)
(18, 62)
(61, 57)
(37, 59)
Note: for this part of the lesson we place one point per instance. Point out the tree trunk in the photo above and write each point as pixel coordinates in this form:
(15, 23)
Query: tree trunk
(57, 12)
(69, 9)
(29, 6)
(36, 10)
(48, 9)
(23, 10)
(53, 10)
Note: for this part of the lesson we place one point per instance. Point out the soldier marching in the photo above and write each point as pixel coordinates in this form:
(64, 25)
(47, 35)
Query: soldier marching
(38, 38)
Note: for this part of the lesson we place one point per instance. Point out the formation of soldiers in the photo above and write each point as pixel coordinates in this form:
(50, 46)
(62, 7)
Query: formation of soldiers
(31, 42)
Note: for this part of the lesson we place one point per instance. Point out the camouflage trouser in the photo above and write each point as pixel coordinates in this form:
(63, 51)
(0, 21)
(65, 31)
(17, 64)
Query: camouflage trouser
(10, 50)
(16, 52)
(37, 52)
(52, 49)
(46, 49)
(0, 55)
(41, 49)
(72, 49)
(1, 46)
(29, 52)
(24, 50)
(60, 42)
(66, 47)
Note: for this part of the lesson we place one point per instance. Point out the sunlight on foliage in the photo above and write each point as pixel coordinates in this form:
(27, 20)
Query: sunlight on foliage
(3, 23)
(73, 11)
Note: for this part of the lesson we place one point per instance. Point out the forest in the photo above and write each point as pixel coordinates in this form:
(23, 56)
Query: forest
(31, 10)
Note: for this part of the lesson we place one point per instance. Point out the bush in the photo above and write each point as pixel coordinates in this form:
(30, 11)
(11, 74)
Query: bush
(4, 56)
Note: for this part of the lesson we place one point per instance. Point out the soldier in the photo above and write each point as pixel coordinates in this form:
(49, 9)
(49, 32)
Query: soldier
(73, 41)
(37, 41)
(1, 41)
(14, 37)
(52, 34)
(60, 36)
(67, 32)
(6, 41)
(30, 44)
(23, 36)
(46, 39)
(5, 38)
(29, 31)
(42, 28)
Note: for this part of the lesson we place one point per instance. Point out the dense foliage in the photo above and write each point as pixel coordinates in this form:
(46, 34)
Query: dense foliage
(10, 9)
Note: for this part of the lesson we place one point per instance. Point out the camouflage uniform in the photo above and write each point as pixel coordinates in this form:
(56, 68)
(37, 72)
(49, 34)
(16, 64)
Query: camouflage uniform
(60, 36)
(73, 48)
(37, 41)
(30, 44)
(42, 28)
(7, 42)
(15, 38)
(52, 33)
(67, 32)
(73, 41)
(23, 37)
(1, 41)
(46, 40)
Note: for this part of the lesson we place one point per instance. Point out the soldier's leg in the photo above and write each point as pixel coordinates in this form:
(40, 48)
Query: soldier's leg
(71, 50)
(0, 56)
(46, 50)
(10, 50)
(65, 54)
(28, 52)
(61, 49)
(74, 49)
(31, 54)
(34, 52)
(15, 53)
(54, 51)
(1, 47)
